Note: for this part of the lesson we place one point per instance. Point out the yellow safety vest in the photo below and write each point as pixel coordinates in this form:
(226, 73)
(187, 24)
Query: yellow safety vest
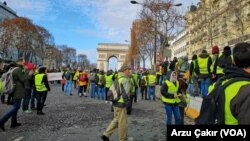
(151, 79)
(172, 89)
(109, 80)
(40, 87)
(230, 92)
(202, 62)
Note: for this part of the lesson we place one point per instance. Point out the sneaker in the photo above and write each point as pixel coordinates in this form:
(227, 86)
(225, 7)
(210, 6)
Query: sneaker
(104, 138)
(28, 111)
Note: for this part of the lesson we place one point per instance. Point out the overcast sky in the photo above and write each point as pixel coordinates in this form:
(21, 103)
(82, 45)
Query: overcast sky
(82, 24)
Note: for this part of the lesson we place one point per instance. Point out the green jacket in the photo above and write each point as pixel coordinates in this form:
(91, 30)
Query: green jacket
(19, 79)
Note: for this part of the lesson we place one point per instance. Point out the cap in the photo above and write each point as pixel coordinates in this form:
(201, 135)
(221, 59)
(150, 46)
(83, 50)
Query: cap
(124, 67)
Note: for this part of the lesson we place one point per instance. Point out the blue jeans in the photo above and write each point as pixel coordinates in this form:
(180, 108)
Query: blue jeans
(101, 92)
(151, 91)
(175, 110)
(33, 97)
(68, 85)
(12, 112)
(205, 82)
(92, 90)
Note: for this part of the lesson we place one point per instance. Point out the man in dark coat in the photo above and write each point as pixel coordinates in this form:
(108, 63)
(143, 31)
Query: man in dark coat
(18, 94)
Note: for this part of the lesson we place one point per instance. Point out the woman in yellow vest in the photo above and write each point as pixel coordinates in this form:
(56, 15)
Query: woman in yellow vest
(42, 88)
(170, 91)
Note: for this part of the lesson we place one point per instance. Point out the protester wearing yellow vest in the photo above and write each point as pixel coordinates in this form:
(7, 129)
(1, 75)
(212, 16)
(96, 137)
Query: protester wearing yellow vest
(170, 91)
(42, 88)
(144, 85)
(204, 63)
(120, 111)
(101, 85)
(151, 85)
(237, 95)
(109, 77)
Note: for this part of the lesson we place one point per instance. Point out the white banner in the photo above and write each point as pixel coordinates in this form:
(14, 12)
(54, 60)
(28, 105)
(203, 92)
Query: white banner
(54, 76)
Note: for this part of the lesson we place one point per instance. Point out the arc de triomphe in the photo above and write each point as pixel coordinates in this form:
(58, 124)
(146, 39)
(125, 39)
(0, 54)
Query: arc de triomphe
(108, 50)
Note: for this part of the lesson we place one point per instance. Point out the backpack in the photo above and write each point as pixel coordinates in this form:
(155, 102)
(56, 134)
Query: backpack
(103, 81)
(224, 61)
(67, 75)
(93, 77)
(8, 85)
(212, 108)
(83, 78)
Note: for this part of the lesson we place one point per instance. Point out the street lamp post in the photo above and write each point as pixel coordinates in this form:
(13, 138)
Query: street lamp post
(167, 5)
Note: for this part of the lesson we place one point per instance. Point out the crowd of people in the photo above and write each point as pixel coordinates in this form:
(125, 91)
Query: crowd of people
(177, 79)
(30, 84)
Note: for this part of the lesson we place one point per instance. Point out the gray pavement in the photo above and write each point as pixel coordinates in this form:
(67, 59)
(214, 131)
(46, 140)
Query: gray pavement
(71, 118)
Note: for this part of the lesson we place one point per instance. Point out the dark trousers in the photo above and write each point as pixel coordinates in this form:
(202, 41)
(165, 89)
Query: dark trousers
(33, 98)
(106, 93)
(129, 108)
(144, 91)
(82, 89)
(135, 94)
(26, 99)
(41, 97)
(12, 112)
(63, 87)
(182, 110)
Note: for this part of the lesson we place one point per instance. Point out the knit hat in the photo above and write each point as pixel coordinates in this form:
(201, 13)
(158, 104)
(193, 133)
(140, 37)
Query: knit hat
(30, 66)
(215, 49)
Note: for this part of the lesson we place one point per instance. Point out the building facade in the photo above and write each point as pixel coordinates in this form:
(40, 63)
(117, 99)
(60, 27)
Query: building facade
(178, 45)
(6, 12)
(217, 22)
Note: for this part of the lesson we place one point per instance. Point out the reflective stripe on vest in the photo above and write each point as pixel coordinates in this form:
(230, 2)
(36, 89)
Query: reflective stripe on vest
(172, 89)
(202, 62)
(109, 80)
(40, 87)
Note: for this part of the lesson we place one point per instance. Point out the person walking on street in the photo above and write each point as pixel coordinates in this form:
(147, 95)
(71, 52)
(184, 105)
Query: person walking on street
(120, 109)
(18, 94)
(42, 88)
(204, 64)
(28, 84)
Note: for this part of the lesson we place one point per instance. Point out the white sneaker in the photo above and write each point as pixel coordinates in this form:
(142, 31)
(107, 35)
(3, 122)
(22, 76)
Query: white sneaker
(28, 111)
(80, 94)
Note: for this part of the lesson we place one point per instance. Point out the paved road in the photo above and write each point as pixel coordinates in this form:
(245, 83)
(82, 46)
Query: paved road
(70, 118)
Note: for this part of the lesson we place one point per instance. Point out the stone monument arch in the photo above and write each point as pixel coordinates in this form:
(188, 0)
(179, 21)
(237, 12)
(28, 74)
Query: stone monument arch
(108, 50)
